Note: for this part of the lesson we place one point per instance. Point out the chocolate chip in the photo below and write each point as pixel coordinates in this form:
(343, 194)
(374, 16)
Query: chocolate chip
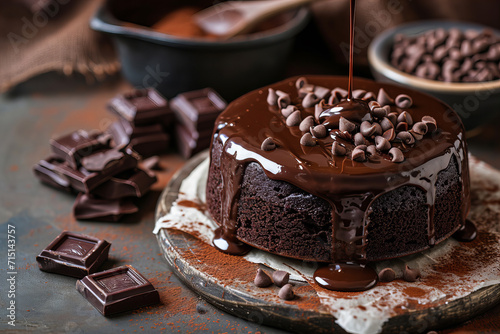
(288, 110)
(389, 134)
(406, 137)
(455, 54)
(396, 155)
(321, 92)
(369, 96)
(386, 275)
(393, 117)
(268, 144)
(262, 280)
(359, 139)
(428, 71)
(309, 100)
(386, 124)
(344, 135)
(402, 126)
(346, 125)
(339, 92)
(358, 93)
(333, 99)
(272, 97)
(367, 129)
(300, 82)
(358, 155)
(382, 144)
(306, 124)
(283, 99)
(319, 108)
(307, 140)
(466, 48)
(403, 101)
(405, 117)
(383, 98)
(294, 119)
(319, 131)
(417, 136)
(379, 112)
(440, 53)
(338, 150)
(306, 89)
(371, 150)
(420, 128)
(280, 277)
(286, 292)
(411, 275)
(430, 122)
(374, 104)
(367, 117)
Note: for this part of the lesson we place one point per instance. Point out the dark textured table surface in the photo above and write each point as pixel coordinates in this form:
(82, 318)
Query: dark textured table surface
(51, 105)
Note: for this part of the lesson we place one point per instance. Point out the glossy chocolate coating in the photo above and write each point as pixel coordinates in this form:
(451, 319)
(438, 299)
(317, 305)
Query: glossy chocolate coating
(73, 254)
(131, 183)
(117, 290)
(349, 186)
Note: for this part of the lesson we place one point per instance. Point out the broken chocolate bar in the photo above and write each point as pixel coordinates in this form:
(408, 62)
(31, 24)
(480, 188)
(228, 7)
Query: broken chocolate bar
(123, 131)
(190, 143)
(117, 290)
(73, 254)
(131, 183)
(142, 107)
(198, 109)
(89, 207)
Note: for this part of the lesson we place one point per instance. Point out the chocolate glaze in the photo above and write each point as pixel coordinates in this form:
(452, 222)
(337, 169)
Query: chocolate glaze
(346, 277)
(467, 232)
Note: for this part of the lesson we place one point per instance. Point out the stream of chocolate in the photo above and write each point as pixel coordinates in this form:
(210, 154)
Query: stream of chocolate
(349, 186)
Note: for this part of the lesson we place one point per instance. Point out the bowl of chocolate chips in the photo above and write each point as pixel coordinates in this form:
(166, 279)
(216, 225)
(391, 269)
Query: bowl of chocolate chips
(456, 62)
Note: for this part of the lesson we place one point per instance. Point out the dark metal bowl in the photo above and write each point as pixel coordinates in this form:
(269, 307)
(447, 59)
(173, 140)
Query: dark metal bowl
(172, 64)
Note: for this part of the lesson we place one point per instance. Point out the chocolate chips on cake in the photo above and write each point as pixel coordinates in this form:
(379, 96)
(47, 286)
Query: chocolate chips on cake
(449, 55)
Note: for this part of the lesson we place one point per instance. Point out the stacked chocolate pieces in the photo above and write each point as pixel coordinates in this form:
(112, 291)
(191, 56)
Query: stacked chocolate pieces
(144, 121)
(107, 178)
(196, 112)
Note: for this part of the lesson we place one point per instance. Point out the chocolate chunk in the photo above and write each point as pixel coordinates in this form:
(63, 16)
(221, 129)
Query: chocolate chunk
(338, 150)
(319, 131)
(307, 140)
(262, 280)
(406, 137)
(382, 144)
(430, 122)
(272, 97)
(117, 290)
(383, 98)
(268, 144)
(396, 155)
(358, 154)
(294, 119)
(50, 175)
(346, 125)
(405, 117)
(420, 128)
(288, 110)
(131, 183)
(76, 145)
(141, 107)
(93, 208)
(306, 124)
(403, 101)
(359, 139)
(286, 292)
(309, 100)
(411, 275)
(101, 160)
(72, 254)
(188, 142)
(280, 277)
(386, 124)
(386, 275)
(390, 134)
(197, 110)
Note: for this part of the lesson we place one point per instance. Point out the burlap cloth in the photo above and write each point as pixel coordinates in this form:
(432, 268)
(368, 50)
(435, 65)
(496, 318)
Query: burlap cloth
(38, 36)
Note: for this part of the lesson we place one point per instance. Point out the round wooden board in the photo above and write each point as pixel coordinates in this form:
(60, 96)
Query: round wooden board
(258, 305)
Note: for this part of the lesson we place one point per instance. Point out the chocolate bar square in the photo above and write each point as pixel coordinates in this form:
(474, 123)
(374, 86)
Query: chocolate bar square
(142, 107)
(89, 207)
(73, 255)
(117, 290)
(45, 171)
(198, 109)
(190, 143)
(131, 183)
(74, 146)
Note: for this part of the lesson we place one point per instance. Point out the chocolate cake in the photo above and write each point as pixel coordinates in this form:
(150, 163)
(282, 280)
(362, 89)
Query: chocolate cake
(299, 170)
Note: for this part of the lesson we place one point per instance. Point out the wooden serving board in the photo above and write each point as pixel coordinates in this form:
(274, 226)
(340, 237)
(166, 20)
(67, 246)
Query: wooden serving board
(227, 282)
